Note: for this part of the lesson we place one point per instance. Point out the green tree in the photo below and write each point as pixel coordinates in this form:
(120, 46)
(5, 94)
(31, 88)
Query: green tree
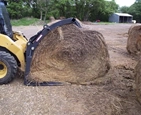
(110, 8)
(42, 6)
(81, 9)
(135, 10)
(124, 9)
(15, 9)
(19, 8)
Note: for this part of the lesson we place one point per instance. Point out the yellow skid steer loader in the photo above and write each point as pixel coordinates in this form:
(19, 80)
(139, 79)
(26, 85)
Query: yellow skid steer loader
(16, 51)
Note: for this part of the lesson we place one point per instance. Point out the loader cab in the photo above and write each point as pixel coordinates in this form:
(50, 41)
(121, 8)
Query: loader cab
(5, 25)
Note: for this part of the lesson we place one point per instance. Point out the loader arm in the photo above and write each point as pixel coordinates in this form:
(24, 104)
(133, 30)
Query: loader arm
(33, 44)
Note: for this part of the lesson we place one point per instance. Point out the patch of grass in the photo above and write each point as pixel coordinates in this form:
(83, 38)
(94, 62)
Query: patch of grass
(24, 22)
(105, 23)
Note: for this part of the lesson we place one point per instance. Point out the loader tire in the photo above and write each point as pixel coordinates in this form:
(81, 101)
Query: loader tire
(8, 67)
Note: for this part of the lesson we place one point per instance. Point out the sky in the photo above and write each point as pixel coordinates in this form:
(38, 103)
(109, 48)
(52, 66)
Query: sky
(124, 2)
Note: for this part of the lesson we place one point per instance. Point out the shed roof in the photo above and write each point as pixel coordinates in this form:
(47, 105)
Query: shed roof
(123, 14)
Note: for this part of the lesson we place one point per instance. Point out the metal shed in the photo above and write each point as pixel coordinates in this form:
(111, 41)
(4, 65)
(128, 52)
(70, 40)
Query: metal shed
(121, 18)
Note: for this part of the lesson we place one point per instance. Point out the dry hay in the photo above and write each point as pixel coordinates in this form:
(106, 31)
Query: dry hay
(51, 18)
(65, 100)
(70, 54)
(134, 39)
(88, 22)
(97, 101)
(62, 17)
(138, 80)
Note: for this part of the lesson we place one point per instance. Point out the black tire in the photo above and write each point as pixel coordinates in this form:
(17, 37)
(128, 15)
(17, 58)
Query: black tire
(8, 67)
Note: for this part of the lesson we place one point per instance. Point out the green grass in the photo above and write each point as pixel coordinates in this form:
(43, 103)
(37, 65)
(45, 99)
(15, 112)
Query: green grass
(24, 22)
(105, 23)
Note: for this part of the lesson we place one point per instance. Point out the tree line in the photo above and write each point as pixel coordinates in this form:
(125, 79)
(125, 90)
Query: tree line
(82, 9)
(91, 10)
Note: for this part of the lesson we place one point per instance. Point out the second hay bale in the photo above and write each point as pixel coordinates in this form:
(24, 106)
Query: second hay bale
(138, 80)
(70, 54)
(134, 39)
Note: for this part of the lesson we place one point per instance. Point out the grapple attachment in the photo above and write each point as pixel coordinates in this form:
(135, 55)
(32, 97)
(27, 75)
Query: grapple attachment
(63, 53)
(34, 43)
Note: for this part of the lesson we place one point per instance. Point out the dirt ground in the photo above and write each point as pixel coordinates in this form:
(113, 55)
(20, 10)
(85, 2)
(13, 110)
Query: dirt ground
(17, 99)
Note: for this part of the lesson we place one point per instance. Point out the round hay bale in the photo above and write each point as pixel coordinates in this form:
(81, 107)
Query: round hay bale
(62, 17)
(130, 28)
(134, 39)
(51, 18)
(138, 80)
(70, 54)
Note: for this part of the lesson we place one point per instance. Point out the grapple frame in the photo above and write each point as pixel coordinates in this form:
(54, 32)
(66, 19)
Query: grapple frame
(33, 44)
